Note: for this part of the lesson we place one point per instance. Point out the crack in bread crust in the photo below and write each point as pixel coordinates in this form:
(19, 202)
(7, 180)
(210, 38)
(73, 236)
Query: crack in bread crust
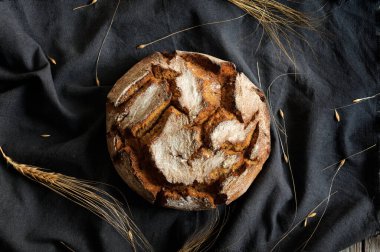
(186, 130)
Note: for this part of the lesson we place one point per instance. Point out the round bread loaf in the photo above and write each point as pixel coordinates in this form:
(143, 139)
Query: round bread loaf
(187, 131)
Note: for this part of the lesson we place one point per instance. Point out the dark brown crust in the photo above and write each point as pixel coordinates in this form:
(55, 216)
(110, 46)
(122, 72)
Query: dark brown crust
(129, 147)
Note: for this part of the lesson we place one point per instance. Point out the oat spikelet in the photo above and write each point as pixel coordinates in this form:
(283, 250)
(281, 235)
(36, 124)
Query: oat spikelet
(310, 215)
(45, 135)
(341, 163)
(356, 101)
(323, 213)
(365, 98)
(286, 158)
(337, 116)
(88, 195)
(86, 5)
(52, 60)
(141, 46)
(303, 220)
(281, 114)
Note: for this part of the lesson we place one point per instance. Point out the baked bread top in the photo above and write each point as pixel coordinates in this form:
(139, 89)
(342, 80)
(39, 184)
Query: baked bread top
(186, 130)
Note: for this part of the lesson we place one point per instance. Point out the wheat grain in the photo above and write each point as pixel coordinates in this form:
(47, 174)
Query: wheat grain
(52, 60)
(337, 116)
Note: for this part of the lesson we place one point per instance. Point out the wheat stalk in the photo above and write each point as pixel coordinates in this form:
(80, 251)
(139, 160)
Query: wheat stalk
(188, 29)
(67, 246)
(326, 206)
(88, 195)
(103, 41)
(278, 20)
(285, 150)
(354, 102)
(311, 212)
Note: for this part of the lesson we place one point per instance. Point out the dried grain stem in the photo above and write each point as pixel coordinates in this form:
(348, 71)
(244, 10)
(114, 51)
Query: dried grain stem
(88, 195)
(67, 246)
(356, 101)
(302, 220)
(340, 165)
(187, 29)
(31, 172)
(86, 5)
(104, 40)
(325, 209)
(285, 153)
(365, 98)
(278, 20)
(271, 110)
(287, 160)
(343, 160)
(290, 166)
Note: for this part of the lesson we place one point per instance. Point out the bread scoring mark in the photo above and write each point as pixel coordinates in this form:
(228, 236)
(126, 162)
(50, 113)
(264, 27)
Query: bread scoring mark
(154, 98)
(132, 81)
(213, 59)
(231, 131)
(174, 147)
(132, 87)
(205, 165)
(189, 86)
(246, 99)
(202, 61)
(230, 183)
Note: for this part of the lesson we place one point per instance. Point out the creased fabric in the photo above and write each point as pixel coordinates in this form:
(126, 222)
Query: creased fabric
(37, 97)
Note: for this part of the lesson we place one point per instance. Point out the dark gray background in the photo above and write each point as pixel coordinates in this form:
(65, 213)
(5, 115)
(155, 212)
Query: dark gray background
(62, 100)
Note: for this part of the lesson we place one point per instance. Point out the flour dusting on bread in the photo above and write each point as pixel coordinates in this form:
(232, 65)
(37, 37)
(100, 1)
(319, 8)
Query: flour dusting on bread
(187, 131)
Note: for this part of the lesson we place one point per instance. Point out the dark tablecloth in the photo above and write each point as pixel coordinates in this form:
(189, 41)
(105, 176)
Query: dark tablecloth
(37, 97)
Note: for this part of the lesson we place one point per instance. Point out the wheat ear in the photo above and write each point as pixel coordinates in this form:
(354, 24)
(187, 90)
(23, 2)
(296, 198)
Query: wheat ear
(88, 195)
(277, 20)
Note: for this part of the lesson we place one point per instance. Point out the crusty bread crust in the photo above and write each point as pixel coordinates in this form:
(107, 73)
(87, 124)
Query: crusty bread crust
(187, 131)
